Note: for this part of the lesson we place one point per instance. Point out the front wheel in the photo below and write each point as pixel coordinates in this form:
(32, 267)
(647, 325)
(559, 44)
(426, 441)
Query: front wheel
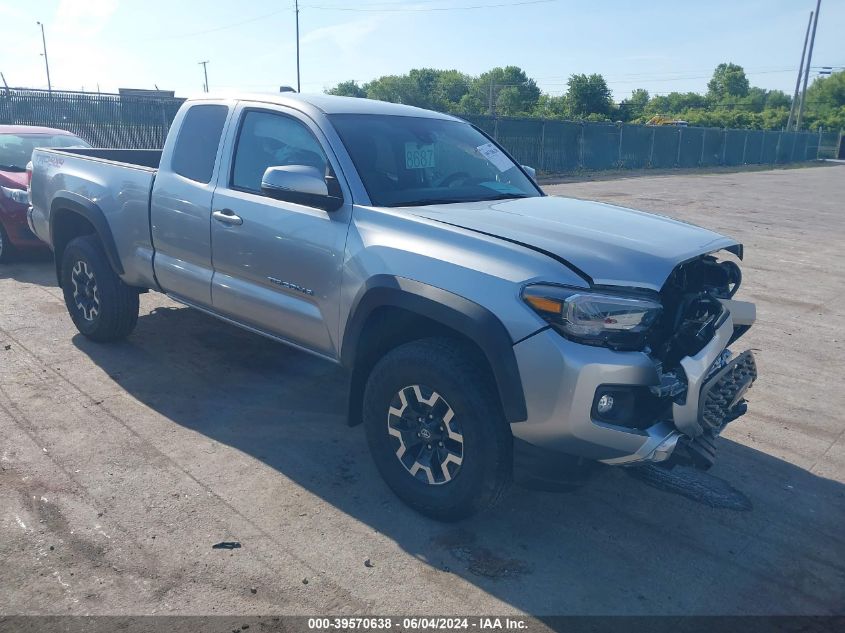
(436, 430)
(102, 307)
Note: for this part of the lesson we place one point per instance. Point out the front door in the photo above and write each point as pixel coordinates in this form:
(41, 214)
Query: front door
(277, 265)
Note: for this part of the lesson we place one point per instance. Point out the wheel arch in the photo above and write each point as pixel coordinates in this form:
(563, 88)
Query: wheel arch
(389, 311)
(71, 216)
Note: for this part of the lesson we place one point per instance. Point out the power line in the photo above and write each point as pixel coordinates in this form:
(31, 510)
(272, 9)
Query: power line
(220, 28)
(424, 9)
(375, 7)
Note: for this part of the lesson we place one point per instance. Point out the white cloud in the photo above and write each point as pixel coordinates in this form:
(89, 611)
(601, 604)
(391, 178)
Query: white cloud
(84, 18)
(348, 37)
(78, 47)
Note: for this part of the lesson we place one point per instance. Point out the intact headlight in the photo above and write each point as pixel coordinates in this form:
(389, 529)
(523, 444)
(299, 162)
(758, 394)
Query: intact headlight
(594, 318)
(16, 195)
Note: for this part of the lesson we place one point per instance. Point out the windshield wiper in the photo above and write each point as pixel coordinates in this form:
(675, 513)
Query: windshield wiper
(14, 168)
(428, 201)
(422, 202)
(508, 196)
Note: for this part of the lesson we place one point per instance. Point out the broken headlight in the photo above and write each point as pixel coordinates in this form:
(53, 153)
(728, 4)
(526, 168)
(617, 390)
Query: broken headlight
(595, 318)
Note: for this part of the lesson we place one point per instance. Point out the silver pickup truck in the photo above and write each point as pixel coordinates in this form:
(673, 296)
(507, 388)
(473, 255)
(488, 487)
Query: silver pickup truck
(490, 332)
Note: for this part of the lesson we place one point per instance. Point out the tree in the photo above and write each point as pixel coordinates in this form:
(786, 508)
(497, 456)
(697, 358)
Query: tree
(423, 87)
(827, 92)
(451, 86)
(826, 102)
(522, 92)
(729, 102)
(634, 106)
(728, 80)
(551, 107)
(777, 99)
(588, 94)
(347, 89)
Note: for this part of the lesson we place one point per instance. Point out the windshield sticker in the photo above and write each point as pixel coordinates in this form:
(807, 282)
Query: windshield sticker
(495, 156)
(419, 156)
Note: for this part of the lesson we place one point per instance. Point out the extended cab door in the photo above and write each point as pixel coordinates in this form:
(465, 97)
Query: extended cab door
(277, 265)
(180, 208)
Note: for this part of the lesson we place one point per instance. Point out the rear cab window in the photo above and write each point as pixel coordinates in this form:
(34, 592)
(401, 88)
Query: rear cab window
(199, 138)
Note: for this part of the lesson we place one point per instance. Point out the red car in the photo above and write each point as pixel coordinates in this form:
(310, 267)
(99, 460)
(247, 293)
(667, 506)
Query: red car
(16, 145)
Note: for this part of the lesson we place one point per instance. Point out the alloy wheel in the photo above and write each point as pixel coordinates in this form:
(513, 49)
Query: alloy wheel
(428, 439)
(85, 293)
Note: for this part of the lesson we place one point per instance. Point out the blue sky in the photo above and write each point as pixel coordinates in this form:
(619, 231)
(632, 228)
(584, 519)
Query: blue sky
(660, 46)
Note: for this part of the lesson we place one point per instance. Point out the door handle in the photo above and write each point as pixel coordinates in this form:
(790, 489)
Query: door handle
(227, 216)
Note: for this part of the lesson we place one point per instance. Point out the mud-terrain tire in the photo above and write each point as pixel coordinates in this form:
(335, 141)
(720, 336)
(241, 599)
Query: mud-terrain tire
(102, 307)
(419, 399)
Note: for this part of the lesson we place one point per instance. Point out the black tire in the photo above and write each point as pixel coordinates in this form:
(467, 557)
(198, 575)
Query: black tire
(446, 367)
(7, 251)
(109, 311)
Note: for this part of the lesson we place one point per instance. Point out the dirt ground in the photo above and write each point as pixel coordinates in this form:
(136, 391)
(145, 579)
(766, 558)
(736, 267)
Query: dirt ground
(122, 465)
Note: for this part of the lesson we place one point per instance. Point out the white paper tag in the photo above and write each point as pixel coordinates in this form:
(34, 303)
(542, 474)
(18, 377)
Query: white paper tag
(495, 156)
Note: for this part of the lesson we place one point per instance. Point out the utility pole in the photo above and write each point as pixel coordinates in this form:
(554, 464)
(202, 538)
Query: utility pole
(807, 67)
(798, 79)
(46, 63)
(492, 109)
(298, 86)
(205, 73)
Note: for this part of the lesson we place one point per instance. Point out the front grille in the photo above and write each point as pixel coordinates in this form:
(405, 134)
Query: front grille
(722, 394)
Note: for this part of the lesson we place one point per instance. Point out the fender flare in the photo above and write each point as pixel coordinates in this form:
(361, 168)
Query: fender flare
(74, 203)
(466, 317)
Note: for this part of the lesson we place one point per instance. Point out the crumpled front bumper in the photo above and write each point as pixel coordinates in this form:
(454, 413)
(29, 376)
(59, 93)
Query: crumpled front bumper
(561, 377)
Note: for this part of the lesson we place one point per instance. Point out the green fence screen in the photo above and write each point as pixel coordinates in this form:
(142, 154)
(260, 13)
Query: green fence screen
(636, 146)
(107, 120)
(690, 142)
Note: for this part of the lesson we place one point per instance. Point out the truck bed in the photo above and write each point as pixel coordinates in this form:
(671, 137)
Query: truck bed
(117, 183)
(149, 158)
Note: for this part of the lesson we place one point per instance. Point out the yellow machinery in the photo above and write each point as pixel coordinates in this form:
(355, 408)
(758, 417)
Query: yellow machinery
(659, 119)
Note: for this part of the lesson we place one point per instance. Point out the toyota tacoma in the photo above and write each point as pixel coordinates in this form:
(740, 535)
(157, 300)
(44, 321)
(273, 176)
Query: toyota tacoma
(490, 332)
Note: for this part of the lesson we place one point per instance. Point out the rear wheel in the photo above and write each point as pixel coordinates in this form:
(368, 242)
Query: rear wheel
(6, 248)
(436, 430)
(102, 307)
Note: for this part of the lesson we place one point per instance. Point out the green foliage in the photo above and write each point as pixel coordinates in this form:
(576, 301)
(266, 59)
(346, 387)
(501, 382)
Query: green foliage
(728, 80)
(348, 89)
(826, 102)
(513, 92)
(550, 107)
(730, 100)
(587, 95)
(675, 102)
(634, 107)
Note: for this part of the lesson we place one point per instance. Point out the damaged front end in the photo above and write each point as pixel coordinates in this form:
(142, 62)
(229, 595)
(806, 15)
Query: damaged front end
(702, 383)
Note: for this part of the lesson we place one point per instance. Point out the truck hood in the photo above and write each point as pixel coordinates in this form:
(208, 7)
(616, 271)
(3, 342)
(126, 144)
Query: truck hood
(605, 244)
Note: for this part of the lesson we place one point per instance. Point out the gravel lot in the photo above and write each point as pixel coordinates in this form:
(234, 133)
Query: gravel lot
(121, 466)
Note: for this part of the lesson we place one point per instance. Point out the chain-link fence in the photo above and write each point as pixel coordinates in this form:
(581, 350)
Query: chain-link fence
(550, 146)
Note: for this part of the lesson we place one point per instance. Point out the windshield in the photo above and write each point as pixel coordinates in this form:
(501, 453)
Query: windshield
(410, 161)
(16, 149)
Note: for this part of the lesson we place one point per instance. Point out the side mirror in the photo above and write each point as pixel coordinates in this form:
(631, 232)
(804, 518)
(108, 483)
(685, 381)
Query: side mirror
(531, 172)
(300, 184)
